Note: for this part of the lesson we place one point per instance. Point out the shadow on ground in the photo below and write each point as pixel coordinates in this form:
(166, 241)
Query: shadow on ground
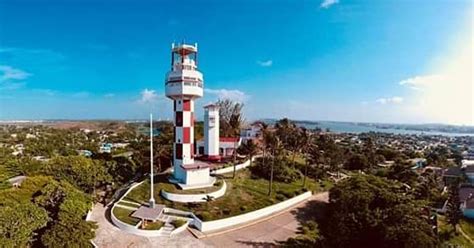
(257, 244)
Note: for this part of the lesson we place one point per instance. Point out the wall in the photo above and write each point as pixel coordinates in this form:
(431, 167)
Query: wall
(231, 168)
(199, 176)
(469, 213)
(251, 216)
(194, 197)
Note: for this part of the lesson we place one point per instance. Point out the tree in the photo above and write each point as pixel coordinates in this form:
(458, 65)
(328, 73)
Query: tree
(75, 233)
(357, 162)
(230, 117)
(19, 222)
(306, 143)
(453, 211)
(85, 173)
(369, 211)
(249, 148)
(276, 147)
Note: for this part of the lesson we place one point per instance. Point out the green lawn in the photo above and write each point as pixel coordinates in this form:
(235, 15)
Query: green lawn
(468, 227)
(124, 215)
(447, 236)
(244, 194)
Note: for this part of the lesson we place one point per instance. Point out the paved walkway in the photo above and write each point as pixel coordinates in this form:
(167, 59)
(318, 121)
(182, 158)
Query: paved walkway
(265, 233)
(108, 235)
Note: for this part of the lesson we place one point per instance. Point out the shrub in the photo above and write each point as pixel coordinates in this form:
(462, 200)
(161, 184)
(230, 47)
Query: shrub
(282, 170)
(178, 222)
(226, 211)
(218, 183)
(205, 216)
(243, 208)
(286, 194)
(280, 197)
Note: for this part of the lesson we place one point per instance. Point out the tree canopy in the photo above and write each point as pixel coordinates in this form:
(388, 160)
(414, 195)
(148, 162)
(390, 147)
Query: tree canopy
(369, 211)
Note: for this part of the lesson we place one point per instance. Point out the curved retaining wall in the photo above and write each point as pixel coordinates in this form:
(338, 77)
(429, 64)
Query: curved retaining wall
(132, 229)
(205, 226)
(194, 197)
(231, 168)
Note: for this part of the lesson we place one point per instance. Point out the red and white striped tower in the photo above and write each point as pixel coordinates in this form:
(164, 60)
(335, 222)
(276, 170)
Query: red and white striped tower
(184, 84)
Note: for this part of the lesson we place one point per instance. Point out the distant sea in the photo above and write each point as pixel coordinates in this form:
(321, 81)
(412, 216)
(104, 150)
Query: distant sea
(348, 127)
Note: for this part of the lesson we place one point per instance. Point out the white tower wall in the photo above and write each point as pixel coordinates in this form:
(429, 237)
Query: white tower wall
(211, 131)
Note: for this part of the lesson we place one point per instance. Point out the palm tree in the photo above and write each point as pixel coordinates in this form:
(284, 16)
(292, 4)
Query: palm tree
(249, 148)
(266, 140)
(306, 142)
(275, 145)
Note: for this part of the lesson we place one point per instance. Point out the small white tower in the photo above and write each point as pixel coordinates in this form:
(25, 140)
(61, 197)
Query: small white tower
(211, 132)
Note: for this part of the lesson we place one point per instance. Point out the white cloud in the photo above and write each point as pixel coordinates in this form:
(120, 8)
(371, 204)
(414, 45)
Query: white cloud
(12, 78)
(327, 3)
(109, 95)
(421, 82)
(234, 95)
(266, 63)
(388, 100)
(48, 92)
(148, 96)
(81, 94)
(446, 90)
(10, 73)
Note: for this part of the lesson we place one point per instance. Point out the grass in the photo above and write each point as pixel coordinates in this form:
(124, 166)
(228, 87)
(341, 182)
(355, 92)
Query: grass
(153, 225)
(449, 238)
(123, 214)
(468, 227)
(244, 194)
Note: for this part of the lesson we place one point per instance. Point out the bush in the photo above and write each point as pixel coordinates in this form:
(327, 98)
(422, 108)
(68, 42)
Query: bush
(282, 170)
(218, 183)
(204, 216)
(280, 197)
(226, 211)
(287, 194)
(243, 208)
(178, 222)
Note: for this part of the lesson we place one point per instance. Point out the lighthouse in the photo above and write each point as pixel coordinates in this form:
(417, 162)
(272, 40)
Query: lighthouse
(183, 85)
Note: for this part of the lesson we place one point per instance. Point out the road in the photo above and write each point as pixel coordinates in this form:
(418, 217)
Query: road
(265, 233)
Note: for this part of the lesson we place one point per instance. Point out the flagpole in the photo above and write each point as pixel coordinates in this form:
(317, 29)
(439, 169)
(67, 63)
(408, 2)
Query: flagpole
(152, 199)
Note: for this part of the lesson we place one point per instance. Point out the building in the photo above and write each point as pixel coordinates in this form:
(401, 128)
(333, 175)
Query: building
(466, 197)
(254, 131)
(184, 84)
(211, 132)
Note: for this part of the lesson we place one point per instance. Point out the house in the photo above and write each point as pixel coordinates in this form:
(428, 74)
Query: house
(452, 175)
(469, 172)
(254, 131)
(227, 146)
(466, 196)
(16, 181)
(106, 148)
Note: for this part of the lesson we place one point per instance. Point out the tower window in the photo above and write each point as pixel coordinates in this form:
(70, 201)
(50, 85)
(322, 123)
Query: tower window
(179, 119)
(186, 105)
(179, 151)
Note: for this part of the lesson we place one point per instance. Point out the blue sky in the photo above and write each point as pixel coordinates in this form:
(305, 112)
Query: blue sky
(377, 61)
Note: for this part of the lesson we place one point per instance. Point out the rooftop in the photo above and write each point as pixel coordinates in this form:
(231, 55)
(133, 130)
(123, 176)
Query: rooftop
(148, 213)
